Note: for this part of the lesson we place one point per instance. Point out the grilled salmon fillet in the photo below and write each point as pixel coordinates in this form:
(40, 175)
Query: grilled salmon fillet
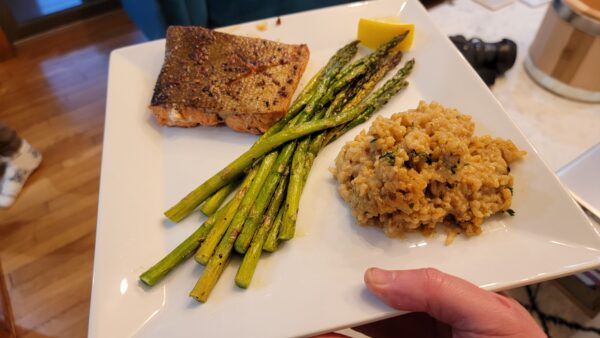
(209, 78)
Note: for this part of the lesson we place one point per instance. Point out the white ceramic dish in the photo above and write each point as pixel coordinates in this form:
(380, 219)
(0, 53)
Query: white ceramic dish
(314, 282)
(580, 176)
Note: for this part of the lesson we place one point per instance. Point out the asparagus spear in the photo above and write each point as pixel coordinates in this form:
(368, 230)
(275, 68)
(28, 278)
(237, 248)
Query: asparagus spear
(371, 68)
(341, 98)
(214, 202)
(236, 214)
(209, 277)
(305, 155)
(300, 170)
(217, 262)
(264, 196)
(294, 189)
(256, 214)
(363, 65)
(305, 95)
(350, 98)
(184, 207)
(361, 90)
(300, 167)
(302, 148)
(202, 256)
(285, 155)
(374, 102)
(246, 269)
(370, 80)
(272, 180)
(181, 252)
(264, 199)
(340, 130)
(272, 240)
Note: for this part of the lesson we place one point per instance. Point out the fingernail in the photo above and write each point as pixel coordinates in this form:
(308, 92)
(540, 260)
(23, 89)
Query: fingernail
(379, 277)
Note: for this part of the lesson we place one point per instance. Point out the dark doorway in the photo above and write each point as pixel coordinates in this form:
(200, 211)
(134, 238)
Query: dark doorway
(22, 18)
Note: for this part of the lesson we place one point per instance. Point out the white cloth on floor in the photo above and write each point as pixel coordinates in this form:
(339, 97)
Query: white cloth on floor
(18, 168)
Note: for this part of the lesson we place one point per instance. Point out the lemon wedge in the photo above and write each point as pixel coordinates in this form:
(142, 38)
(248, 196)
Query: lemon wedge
(374, 32)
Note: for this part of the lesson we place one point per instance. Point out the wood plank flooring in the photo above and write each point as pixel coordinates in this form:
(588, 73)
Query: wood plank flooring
(53, 94)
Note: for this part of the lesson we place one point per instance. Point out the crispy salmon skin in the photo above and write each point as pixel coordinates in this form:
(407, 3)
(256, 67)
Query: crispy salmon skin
(209, 78)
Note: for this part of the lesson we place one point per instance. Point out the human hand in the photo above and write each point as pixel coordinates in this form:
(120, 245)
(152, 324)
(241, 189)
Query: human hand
(444, 306)
(469, 310)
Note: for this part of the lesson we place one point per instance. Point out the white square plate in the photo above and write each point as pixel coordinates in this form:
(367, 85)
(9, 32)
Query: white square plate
(314, 282)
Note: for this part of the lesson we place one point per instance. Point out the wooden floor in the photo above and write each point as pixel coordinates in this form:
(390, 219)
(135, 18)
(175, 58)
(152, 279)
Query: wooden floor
(53, 94)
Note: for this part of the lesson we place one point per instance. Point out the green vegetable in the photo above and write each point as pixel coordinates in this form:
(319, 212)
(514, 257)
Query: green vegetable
(217, 262)
(272, 240)
(372, 103)
(181, 252)
(237, 216)
(250, 261)
(294, 191)
(273, 182)
(214, 202)
(337, 132)
(363, 65)
(390, 156)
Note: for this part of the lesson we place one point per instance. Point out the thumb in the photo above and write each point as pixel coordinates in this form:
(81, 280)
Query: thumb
(451, 300)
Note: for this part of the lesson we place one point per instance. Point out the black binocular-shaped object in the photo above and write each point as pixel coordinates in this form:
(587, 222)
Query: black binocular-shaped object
(489, 59)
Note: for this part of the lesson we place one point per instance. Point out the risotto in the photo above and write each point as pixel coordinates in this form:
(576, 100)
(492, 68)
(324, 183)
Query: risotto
(424, 167)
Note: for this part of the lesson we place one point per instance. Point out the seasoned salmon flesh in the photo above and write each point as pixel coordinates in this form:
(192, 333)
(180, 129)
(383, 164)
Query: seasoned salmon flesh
(210, 78)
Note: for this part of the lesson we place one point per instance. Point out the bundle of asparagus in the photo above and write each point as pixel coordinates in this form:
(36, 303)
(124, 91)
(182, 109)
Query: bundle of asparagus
(270, 176)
